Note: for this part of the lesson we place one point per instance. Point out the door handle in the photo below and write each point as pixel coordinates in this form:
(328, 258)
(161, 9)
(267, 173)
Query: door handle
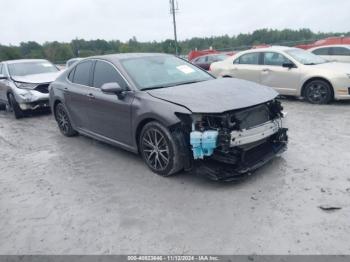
(91, 96)
(266, 70)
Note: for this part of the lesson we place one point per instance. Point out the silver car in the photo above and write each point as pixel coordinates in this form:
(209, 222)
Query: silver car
(24, 84)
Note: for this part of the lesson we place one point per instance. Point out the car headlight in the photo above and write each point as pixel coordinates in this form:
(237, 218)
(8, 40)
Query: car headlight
(25, 85)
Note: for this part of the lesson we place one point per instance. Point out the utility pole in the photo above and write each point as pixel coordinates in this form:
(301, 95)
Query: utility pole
(173, 11)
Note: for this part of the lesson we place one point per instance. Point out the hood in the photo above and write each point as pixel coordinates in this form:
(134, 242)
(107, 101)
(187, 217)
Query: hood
(216, 96)
(37, 78)
(334, 66)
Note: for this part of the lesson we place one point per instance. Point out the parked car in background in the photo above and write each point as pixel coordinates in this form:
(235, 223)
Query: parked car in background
(72, 61)
(24, 84)
(206, 60)
(171, 112)
(336, 53)
(291, 71)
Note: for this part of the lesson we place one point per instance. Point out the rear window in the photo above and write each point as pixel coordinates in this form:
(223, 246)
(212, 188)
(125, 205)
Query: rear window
(82, 73)
(249, 59)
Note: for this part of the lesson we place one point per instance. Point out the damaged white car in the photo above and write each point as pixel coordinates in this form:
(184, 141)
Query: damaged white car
(24, 84)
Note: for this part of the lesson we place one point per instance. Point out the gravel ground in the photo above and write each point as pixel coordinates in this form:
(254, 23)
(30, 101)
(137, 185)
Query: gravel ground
(63, 195)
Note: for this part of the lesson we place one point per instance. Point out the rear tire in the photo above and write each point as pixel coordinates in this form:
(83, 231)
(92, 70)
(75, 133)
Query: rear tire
(14, 107)
(318, 92)
(160, 149)
(63, 121)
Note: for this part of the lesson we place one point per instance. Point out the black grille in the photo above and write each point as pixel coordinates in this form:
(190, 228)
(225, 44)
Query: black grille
(253, 116)
(44, 88)
(349, 90)
(252, 156)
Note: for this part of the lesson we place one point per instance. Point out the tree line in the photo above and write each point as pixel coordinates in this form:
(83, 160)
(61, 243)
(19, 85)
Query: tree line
(60, 52)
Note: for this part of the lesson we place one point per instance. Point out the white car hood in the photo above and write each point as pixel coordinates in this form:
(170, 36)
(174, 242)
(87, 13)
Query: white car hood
(335, 66)
(38, 78)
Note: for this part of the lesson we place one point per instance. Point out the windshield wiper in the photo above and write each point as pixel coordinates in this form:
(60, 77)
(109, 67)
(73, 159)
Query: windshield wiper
(166, 86)
(310, 64)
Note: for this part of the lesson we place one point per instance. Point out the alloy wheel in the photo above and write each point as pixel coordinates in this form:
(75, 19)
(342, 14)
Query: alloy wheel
(155, 149)
(317, 93)
(62, 120)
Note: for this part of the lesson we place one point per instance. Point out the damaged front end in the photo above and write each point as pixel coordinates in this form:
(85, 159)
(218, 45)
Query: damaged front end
(229, 145)
(32, 96)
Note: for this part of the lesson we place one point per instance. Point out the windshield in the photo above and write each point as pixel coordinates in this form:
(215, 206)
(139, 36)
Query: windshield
(162, 71)
(31, 68)
(305, 57)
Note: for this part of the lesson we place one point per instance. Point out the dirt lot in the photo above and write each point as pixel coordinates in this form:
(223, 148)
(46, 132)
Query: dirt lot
(75, 195)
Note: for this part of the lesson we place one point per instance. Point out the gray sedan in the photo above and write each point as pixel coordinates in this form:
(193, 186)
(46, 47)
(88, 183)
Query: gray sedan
(176, 115)
(24, 84)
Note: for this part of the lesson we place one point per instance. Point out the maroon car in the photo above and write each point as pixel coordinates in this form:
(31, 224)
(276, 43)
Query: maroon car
(206, 60)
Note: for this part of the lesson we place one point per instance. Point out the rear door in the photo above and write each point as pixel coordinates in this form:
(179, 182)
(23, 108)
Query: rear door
(202, 62)
(77, 93)
(109, 115)
(285, 80)
(247, 67)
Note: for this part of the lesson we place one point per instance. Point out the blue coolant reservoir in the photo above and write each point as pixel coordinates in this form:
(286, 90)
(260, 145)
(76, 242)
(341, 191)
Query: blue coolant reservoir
(203, 143)
(196, 140)
(209, 139)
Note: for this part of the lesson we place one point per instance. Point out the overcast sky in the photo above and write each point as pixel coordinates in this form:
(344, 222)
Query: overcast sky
(64, 20)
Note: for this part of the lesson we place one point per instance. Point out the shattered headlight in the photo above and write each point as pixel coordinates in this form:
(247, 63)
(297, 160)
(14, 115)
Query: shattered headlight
(26, 85)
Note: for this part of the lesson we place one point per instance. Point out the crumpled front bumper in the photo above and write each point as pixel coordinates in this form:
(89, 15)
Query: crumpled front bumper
(249, 162)
(31, 99)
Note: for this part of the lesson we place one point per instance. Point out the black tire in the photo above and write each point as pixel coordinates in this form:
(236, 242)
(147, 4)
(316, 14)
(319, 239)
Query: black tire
(318, 92)
(14, 107)
(63, 121)
(160, 149)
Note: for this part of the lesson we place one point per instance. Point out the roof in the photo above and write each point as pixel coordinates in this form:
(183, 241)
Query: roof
(268, 49)
(23, 61)
(114, 57)
(323, 46)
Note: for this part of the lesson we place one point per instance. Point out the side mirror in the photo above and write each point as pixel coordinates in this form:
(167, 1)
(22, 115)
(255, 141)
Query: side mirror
(288, 65)
(112, 88)
(3, 77)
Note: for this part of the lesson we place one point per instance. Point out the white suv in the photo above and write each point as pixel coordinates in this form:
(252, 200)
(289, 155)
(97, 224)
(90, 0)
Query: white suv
(337, 53)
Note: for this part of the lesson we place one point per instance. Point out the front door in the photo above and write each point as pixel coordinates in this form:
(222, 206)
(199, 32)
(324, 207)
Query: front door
(110, 115)
(284, 80)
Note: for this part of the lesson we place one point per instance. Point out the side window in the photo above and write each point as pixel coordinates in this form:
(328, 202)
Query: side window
(1, 73)
(275, 59)
(340, 51)
(106, 73)
(202, 60)
(249, 59)
(321, 51)
(71, 75)
(82, 73)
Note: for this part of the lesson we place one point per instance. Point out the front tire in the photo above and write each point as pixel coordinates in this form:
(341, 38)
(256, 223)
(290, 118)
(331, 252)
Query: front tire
(63, 121)
(160, 149)
(14, 107)
(318, 92)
